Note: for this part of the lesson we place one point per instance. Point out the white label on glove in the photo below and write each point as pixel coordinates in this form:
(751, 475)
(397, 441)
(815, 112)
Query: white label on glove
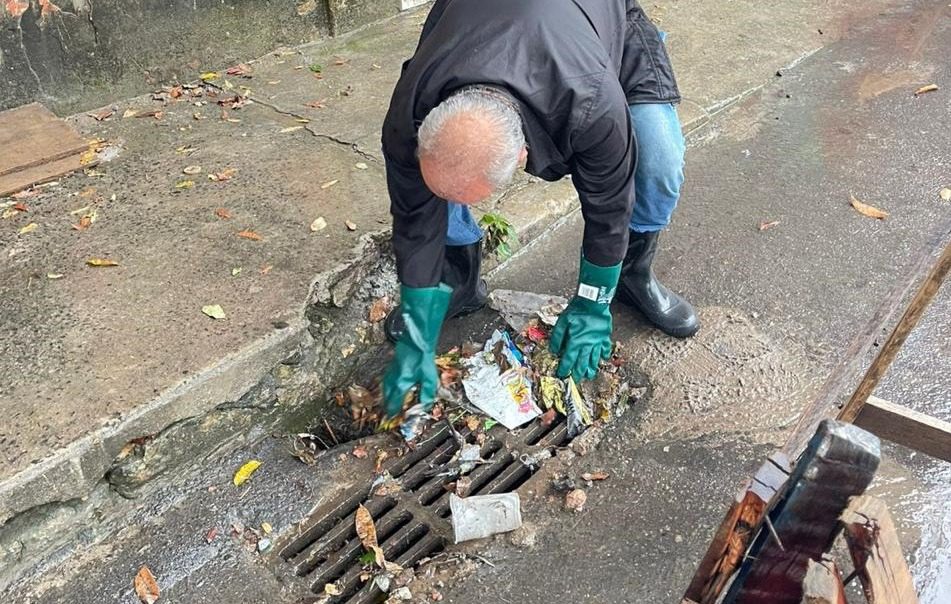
(588, 292)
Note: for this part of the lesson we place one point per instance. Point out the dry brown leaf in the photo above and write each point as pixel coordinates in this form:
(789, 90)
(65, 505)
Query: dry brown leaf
(766, 225)
(548, 417)
(102, 114)
(319, 224)
(211, 534)
(329, 184)
(84, 223)
(191, 170)
(146, 587)
(867, 210)
(87, 192)
(129, 113)
(366, 530)
(575, 500)
(223, 213)
(240, 69)
(331, 589)
(598, 475)
(226, 174)
(473, 422)
(28, 228)
(926, 89)
(266, 269)
(360, 452)
(101, 262)
(379, 309)
(360, 396)
(380, 458)
(249, 234)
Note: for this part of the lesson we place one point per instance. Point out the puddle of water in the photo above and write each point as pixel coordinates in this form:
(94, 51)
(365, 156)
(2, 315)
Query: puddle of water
(932, 562)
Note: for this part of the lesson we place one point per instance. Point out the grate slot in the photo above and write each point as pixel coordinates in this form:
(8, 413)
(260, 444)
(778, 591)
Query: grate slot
(557, 437)
(429, 544)
(348, 557)
(419, 477)
(396, 545)
(326, 523)
(510, 479)
(321, 549)
(413, 458)
(480, 477)
(432, 490)
(537, 431)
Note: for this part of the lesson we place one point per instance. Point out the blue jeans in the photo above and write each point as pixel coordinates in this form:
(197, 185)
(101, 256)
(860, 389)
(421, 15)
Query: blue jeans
(657, 178)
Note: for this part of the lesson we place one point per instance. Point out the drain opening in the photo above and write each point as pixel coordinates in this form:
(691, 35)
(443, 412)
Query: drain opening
(412, 523)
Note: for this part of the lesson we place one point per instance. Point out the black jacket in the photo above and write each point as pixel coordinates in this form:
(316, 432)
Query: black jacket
(573, 67)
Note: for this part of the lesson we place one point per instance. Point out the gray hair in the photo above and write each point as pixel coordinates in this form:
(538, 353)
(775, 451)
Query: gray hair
(505, 149)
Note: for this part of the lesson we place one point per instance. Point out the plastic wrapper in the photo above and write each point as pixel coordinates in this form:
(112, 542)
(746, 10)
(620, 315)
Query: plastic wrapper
(505, 396)
(519, 308)
(482, 516)
(578, 411)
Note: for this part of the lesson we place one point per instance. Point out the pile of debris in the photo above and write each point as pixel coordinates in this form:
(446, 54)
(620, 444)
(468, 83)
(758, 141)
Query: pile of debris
(511, 378)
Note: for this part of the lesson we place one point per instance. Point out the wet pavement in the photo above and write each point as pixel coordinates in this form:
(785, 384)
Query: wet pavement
(799, 291)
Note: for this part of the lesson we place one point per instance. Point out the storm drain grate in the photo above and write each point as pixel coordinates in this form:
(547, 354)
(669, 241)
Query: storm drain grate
(413, 523)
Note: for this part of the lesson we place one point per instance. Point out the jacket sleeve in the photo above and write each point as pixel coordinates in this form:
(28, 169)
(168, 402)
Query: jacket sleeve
(419, 226)
(605, 154)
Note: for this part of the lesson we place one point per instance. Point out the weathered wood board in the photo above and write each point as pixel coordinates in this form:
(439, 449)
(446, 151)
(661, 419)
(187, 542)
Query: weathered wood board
(36, 146)
(906, 427)
(838, 464)
(877, 554)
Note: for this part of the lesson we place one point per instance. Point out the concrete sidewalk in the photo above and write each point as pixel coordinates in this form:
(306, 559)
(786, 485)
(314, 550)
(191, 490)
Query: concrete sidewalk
(115, 377)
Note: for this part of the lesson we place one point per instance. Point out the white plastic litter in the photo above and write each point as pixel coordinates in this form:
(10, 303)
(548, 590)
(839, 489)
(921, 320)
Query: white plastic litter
(518, 308)
(482, 516)
(505, 397)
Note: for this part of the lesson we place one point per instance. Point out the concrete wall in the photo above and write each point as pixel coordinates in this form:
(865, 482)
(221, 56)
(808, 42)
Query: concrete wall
(72, 55)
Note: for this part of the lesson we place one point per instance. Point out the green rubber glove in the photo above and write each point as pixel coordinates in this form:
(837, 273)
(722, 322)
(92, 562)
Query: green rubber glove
(414, 363)
(582, 336)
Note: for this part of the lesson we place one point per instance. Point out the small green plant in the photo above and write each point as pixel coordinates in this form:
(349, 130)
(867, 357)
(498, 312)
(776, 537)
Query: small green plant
(500, 235)
(316, 67)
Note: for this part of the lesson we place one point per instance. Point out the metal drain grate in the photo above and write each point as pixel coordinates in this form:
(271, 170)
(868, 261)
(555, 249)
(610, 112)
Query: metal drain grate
(413, 523)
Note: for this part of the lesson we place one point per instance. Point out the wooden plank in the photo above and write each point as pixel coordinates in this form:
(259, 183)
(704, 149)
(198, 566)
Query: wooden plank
(32, 135)
(873, 543)
(737, 530)
(838, 464)
(823, 584)
(828, 399)
(17, 181)
(916, 308)
(905, 427)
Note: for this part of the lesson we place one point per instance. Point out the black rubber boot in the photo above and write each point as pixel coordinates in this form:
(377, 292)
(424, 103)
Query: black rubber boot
(639, 288)
(460, 272)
